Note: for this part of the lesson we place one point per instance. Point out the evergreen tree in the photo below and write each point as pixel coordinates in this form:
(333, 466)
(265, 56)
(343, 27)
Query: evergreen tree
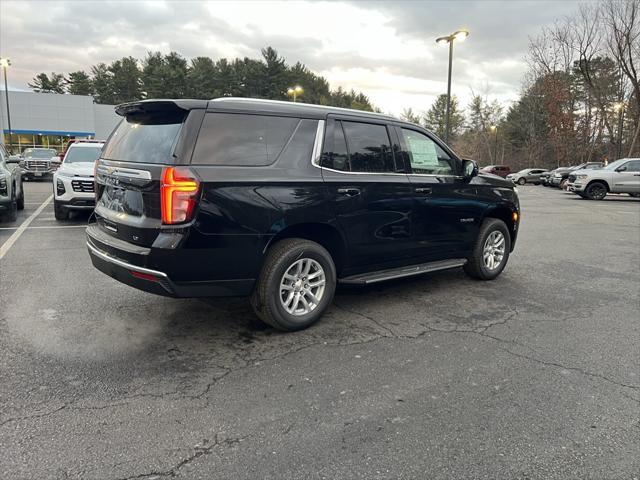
(275, 75)
(153, 75)
(42, 83)
(102, 84)
(79, 83)
(436, 117)
(125, 80)
(201, 79)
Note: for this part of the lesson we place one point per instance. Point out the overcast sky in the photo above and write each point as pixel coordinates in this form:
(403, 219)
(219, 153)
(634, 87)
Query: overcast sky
(386, 49)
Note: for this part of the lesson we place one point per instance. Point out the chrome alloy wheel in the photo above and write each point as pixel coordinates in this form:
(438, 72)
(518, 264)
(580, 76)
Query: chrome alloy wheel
(302, 287)
(493, 251)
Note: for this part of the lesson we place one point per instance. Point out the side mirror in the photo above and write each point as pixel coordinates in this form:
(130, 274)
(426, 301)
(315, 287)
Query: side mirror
(469, 169)
(622, 168)
(14, 159)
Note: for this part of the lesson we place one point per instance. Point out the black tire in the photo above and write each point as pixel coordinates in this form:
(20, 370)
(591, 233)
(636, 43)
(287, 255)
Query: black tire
(596, 191)
(12, 215)
(265, 298)
(635, 195)
(522, 181)
(60, 212)
(20, 201)
(475, 266)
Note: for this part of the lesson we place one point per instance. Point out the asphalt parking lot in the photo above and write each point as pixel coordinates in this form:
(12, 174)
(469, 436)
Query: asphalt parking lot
(534, 375)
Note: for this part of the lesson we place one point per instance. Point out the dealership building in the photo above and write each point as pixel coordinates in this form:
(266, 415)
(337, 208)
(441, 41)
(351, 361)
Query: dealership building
(51, 120)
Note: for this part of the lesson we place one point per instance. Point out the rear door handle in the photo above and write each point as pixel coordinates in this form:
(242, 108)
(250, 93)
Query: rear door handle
(425, 190)
(349, 192)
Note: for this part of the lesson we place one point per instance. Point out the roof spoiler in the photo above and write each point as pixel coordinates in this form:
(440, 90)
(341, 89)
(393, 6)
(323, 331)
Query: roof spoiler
(158, 106)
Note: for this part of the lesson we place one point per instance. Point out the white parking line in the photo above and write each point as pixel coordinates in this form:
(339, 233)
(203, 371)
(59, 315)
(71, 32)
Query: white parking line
(20, 230)
(50, 226)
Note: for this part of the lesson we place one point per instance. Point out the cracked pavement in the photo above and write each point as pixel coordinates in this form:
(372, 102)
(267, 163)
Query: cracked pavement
(533, 375)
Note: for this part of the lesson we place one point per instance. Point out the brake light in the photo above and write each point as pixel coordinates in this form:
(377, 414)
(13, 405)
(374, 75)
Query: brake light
(178, 195)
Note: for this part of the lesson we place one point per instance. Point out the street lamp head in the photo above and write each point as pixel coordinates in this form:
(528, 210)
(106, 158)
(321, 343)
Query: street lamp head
(443, 40)
(493, 128)
(289, 91)
(298, 89)
(4, 62)
(461, 35)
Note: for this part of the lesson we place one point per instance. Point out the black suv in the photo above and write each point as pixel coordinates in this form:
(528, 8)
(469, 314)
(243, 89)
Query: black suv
(280, 201)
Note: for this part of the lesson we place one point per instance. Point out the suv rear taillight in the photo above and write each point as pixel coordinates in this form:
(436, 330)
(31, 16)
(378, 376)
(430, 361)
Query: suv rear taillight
(178, 195)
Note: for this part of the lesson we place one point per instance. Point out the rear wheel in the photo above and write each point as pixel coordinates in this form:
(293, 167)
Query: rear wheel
(596, 191)
(296, 285)
(60, 212)
(522, 181)
(491, 251)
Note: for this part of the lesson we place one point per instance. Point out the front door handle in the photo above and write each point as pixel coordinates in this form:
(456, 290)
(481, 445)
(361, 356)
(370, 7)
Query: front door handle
(424, 190)
(349, 192)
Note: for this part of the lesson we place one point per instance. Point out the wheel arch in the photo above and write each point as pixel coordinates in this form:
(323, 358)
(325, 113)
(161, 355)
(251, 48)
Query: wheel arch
(599, 180)
(504, 213)
(322, 233)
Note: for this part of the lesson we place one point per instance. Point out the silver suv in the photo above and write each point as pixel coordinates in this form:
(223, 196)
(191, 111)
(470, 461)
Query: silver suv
(528, 175)
(621, 176)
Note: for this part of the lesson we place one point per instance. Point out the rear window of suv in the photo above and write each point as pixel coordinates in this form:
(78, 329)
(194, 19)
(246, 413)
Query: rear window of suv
(145, 138)
(242, 140)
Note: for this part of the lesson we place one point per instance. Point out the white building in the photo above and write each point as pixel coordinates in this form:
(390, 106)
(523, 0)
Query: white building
(51, 120)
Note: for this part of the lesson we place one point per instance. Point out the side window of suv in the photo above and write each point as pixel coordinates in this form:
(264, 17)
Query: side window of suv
(338, 159)
(242, 140)
(369, 147)
(633, 166)
(426, 156)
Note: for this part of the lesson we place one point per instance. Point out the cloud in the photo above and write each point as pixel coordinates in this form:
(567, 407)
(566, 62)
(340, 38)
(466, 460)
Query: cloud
(385, 49)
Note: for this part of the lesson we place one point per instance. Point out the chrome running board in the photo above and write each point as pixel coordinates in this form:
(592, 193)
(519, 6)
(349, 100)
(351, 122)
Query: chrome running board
(390, 274)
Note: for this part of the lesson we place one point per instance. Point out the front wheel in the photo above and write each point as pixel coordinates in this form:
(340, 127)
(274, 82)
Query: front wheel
(491, 251)
(59, 212)
(295, 286)
(596, 191)
(20, 201)
(522, 181)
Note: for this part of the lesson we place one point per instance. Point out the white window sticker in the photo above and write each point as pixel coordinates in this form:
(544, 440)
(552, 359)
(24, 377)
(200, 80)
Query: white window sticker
(423, 151)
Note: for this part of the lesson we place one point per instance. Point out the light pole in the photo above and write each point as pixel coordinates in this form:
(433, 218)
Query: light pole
(4, 62)
(295, 91)
(494, 129)
(459, 35)
(619, 107)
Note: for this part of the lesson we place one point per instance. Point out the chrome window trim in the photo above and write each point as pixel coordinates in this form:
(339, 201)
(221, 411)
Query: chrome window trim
(317, 154)
(317, 144)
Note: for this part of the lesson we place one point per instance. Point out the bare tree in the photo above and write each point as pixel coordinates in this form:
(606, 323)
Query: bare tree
(622, 19)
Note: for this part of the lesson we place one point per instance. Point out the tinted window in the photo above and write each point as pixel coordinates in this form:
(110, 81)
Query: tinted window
(144, 139)
(82, 154)
(369, 147)
(338, 158)
(238, 139)
(426, 156)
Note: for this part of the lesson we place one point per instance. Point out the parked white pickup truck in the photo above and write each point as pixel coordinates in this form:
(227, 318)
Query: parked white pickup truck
(621, 176)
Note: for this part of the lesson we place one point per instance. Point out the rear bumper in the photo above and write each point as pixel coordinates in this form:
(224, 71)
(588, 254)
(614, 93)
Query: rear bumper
(110, 258)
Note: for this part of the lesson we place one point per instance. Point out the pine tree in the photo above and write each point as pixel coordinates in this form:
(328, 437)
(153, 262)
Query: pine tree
(42, 83)
(79, 83)
(125, 80)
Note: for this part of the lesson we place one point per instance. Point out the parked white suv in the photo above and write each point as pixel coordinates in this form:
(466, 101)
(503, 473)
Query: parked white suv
(73, 181)
(621, 176)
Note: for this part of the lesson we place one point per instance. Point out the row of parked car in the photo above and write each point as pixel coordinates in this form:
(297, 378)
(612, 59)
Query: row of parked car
(71, 171)
(591, 180)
